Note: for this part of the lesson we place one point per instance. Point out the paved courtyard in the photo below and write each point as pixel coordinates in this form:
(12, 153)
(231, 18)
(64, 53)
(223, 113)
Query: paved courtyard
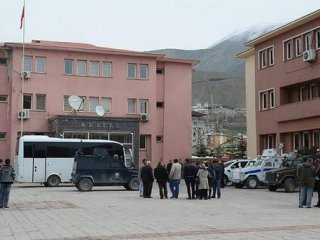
(112, 213)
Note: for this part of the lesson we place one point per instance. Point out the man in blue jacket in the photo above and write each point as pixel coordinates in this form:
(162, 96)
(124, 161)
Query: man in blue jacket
(7, 176)
(190, 173)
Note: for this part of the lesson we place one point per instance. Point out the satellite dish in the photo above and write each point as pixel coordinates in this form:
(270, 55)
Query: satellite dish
(75, 102)
(100, 110)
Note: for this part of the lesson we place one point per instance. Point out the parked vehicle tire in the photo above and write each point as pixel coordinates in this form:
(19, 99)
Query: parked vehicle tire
(238, 185)
(85, 184)
(289, 185)
(272, 188)
(126, 186)
(226, 180)
(133, 184)
(252, 182)
(53, 181)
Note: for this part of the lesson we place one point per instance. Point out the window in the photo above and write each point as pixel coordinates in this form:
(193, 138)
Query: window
(307, 41)
(3, 61)
(3, 98)
(107, 69)
(68, 66)
(27, 101)
(315, 139)
(270, 142)
(271, 99)
(159, 139)
(296, 141)
(41, 64)
(142, 142)
(28, 63)
(106, 103)
(318, 39)
(68, 108)
(313, 90)
(41, 102)
(144, 106)
(132, 105)
(94, 69)
(143, 71)
(93, 102)
(160, 71)
(160, 104)
(271, 56)
(263, 101)
(263, 60)
(288, 50)
(302, 94)
(132, 70)
(305, 139)
(3, 135)
(82, 67)
(267, 99)
(298, 47)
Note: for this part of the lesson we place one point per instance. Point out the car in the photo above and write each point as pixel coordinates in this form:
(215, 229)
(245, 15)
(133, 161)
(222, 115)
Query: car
(231, 165)
(254, 176)
(104, 168)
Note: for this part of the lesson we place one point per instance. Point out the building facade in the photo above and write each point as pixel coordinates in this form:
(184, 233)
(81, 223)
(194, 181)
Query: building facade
(287, 85)
(145, 97)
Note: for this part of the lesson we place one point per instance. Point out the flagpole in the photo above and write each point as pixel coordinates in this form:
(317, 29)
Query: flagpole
(22, 76)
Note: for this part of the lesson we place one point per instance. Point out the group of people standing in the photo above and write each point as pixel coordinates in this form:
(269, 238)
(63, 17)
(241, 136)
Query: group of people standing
(203, 180)
(7, 176)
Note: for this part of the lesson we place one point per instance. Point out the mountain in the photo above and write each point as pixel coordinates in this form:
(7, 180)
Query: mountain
(219, 76)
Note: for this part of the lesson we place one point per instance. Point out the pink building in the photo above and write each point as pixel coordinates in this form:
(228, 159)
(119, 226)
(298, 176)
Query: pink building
(146, 97)
(287, 85)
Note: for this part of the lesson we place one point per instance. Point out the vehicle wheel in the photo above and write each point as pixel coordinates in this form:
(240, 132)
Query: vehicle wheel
(53, 181)
(126, 186)
(133, 184)
(85, 184)
(272, 188)
(289, 185)
(252, 182)
(226, 180)
(238, 185)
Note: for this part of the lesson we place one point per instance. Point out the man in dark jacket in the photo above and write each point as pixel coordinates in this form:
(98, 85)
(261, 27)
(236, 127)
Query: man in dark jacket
(161, 174)
(190, 173)
(147, 179)
(7, 176)
(306, 176)
(218, 172)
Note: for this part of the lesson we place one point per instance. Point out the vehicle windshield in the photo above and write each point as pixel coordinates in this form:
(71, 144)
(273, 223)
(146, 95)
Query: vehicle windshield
(258, 163)
(228, 163)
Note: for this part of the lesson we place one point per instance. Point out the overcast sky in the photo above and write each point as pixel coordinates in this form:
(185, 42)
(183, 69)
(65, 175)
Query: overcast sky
(144, 24)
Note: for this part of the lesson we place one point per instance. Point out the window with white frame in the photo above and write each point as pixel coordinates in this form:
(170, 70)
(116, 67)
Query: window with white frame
(132, 70)
(82, 67)
(68, 108)
(266, 99)
(41, 64)
(132, 105)
(3, 98)
(313, 91)
(298, 46)
(41, 102)
(307, 41)
(3, 136)
(302, 93)
(288, 46)
(93, 102)
(315, 139)
(94, 68)
(318, 39)
(27, 101)
(271, 56)
(107, 69)
(28, 63)
(296, 141)
(270, 141)
(271, 98)
(144, 105)
(263, 59)
(143, 69)
(106, 103)
(68, 66)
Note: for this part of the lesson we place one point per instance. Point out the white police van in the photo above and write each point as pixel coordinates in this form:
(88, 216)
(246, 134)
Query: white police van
(234, 164)
(254, 175)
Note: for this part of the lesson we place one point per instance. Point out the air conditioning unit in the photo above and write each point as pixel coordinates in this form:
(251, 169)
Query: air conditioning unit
(23, 114)
(26, 75)
(309, 55)
(144, 117)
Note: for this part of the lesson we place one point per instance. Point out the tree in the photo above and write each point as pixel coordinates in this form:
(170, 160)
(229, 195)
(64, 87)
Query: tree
(201, 150)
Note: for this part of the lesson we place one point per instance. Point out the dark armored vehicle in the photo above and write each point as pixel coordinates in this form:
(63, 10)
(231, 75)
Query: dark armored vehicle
(284, 177)
(107, 166)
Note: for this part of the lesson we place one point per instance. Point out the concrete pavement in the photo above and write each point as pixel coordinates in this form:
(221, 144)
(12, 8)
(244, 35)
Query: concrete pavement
(113, 213)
